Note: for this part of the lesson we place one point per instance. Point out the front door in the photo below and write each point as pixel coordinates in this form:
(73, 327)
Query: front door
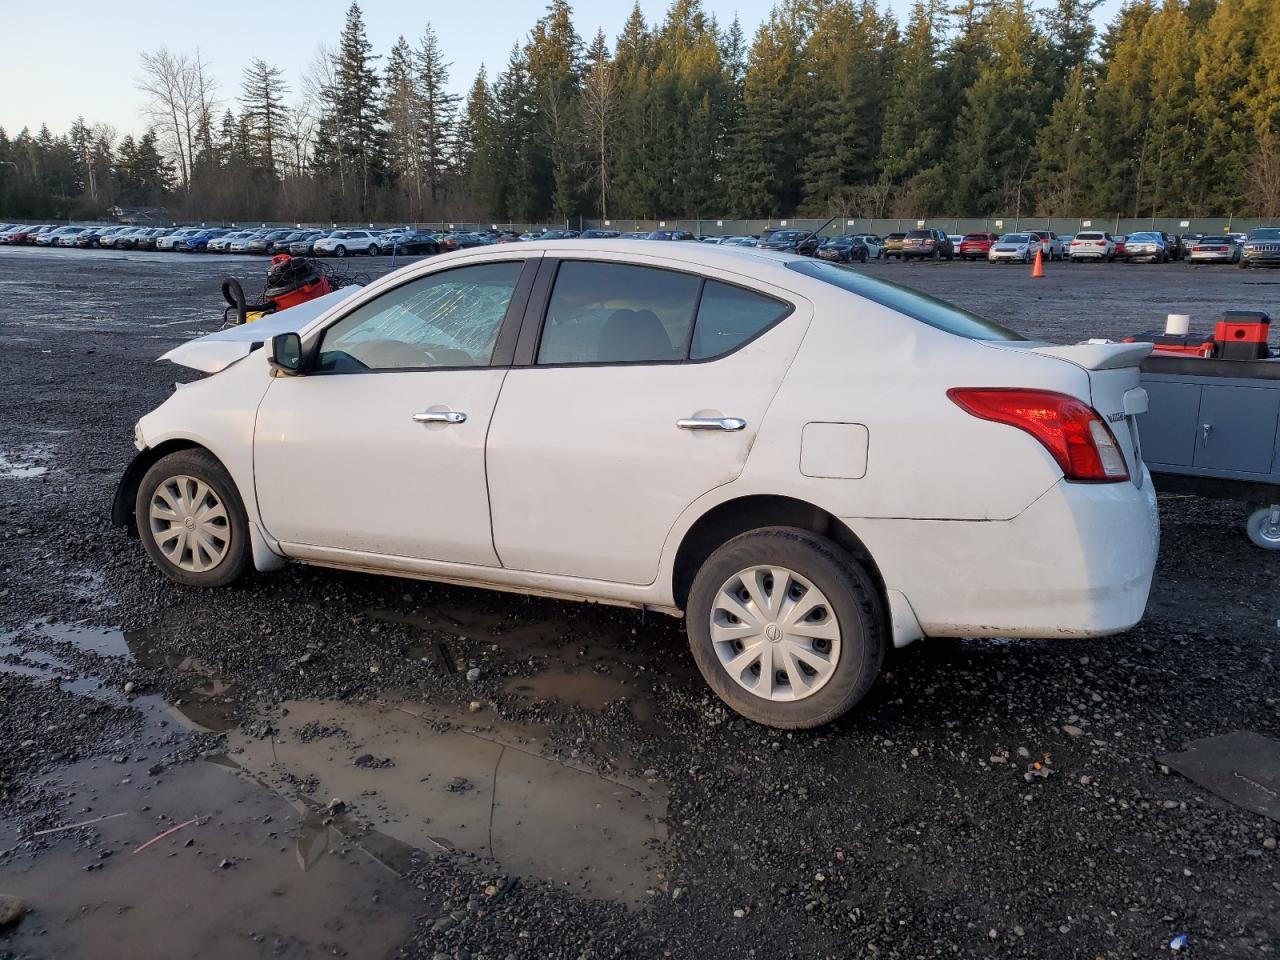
(629, 413)
(381, 448)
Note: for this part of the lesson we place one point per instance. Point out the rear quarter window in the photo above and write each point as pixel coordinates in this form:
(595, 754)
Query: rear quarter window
(919, 306)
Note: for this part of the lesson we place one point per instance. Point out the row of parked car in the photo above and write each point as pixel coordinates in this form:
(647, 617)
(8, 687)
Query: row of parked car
(338, 243)
(1152, 246)
(1262, 246)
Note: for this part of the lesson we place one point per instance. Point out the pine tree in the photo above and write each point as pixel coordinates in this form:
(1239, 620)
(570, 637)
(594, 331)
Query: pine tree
(599, 103)
(262, 111)
(845, 93)
(479, 146)
(553, 55)
(637, 187)
(523, 196)
(913, 145)
(765, 151)
(438, 114)
(996, 133)
(349, 139)
(1063, 148)
(1120, 146)
(404, 125)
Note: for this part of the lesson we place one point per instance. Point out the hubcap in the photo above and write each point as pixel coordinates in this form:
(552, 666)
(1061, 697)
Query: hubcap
(775, 633)
(189, 524)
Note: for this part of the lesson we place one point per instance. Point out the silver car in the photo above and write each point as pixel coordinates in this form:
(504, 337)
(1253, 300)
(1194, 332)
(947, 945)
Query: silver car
(1011, 248)
(1219, 249)
(1146, 246)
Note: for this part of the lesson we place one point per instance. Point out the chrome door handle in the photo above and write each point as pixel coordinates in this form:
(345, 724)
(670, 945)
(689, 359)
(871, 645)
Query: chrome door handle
(440, 416)
(712, 423)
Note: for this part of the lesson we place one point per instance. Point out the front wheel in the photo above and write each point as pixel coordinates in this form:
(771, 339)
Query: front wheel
(373, 250)
(192, 521)
(786, 627)
(339, 251)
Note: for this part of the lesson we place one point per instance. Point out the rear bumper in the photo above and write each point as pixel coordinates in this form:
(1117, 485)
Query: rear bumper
(1077, 563)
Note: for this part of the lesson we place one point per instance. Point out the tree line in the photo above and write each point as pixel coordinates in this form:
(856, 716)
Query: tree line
(968, 108)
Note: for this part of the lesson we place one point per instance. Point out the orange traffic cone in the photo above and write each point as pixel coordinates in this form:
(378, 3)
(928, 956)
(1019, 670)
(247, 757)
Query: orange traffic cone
(1038, 269)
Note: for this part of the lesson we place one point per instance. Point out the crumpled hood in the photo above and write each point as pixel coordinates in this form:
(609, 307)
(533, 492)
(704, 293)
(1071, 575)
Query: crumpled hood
(217, 351)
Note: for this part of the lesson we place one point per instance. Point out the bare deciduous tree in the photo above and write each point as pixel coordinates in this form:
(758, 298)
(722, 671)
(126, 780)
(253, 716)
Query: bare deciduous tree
(179, 103)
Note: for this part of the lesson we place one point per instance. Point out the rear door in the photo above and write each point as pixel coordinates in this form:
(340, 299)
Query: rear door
(626, 410)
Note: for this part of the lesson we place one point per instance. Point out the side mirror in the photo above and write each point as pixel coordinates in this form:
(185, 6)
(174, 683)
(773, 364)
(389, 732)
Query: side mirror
(286, 354)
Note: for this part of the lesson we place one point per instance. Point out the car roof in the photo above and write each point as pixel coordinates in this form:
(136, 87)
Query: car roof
(748, 260)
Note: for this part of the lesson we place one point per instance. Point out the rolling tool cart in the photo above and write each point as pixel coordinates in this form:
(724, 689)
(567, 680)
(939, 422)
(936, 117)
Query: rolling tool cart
(1213, 426)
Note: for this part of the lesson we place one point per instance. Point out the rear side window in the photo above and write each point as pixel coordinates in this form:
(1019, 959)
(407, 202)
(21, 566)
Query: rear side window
(728, 317)
(617, 313)
(919, 306)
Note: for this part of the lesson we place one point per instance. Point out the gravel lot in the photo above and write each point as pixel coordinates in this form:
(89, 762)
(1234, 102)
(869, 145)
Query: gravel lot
(354, 794)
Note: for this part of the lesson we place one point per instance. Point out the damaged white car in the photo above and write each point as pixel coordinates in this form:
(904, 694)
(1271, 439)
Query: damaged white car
(806, 463)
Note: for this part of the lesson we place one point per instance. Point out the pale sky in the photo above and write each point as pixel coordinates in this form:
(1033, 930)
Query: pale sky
(67, 58)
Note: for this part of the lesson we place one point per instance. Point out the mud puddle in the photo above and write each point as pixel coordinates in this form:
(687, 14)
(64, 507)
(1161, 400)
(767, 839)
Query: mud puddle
(253, 876)
(295, 830)
(575, 656)
(438, 781)
(25, 462)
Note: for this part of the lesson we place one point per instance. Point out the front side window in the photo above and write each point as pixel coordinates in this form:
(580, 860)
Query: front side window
(617, 313)
(447, 319)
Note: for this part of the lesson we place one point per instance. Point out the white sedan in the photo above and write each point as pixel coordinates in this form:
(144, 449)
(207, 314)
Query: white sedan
(807, 463)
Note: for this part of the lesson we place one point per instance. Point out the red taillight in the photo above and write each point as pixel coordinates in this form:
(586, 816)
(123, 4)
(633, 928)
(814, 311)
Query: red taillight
(1072, 431)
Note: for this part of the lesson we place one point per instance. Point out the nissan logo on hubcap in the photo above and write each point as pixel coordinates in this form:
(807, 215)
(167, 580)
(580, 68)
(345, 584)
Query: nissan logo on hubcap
(773, 633)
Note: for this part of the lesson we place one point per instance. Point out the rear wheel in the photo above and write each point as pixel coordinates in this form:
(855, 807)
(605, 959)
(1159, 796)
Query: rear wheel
(192, 521)
(786, 627)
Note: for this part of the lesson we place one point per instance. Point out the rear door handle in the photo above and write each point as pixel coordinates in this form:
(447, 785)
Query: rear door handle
(440, 416)
(712, 423)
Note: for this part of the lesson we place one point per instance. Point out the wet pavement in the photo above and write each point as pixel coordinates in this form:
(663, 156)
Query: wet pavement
(341, 787)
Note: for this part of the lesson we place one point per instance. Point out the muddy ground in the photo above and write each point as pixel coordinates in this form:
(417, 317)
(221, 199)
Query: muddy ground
(340, 788)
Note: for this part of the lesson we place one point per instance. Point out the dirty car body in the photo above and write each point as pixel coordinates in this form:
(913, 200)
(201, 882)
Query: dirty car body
(690, 428)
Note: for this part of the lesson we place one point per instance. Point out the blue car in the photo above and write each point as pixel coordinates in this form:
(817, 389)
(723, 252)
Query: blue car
(197, 242)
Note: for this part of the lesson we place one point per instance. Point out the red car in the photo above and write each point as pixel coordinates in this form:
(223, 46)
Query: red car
(25, 235)
(976, 246)
(1119, 242)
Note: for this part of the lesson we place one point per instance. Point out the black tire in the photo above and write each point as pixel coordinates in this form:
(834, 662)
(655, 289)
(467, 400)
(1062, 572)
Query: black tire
(339, 251)
(862, 257)
(855, 603)
(373, 250)
(203, 466)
